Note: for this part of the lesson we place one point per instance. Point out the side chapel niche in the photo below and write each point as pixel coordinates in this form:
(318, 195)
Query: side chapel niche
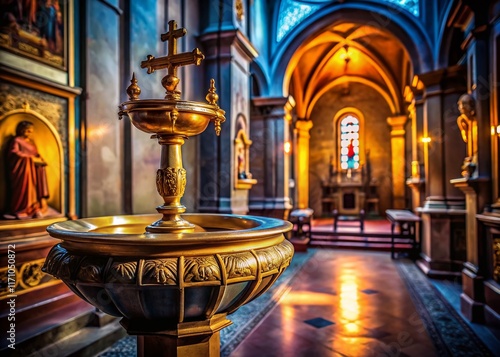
(49, 146)
(242, 175)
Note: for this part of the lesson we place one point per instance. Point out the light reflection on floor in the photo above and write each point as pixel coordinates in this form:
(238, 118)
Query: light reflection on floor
(344, 293)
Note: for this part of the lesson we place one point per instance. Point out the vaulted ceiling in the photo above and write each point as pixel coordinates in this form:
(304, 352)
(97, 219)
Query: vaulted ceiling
(346, 53)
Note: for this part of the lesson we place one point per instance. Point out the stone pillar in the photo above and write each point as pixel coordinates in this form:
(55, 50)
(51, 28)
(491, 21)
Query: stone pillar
(416, 181)
(271, 127)
(227, 59)
(397, 124)
(478, 188)
(301, 156)
(443, 212)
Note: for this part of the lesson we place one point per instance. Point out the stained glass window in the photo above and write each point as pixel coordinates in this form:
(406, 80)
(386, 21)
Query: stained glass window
(409, 5)
(293, 12)
(349, 142)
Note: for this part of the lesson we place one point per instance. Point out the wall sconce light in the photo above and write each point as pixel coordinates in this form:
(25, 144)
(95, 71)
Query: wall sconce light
(495, 130)
(287, 146)
(425, 139)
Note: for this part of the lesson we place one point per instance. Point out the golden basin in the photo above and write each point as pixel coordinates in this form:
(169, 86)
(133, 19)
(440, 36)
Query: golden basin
(166, 279)
(170, 117)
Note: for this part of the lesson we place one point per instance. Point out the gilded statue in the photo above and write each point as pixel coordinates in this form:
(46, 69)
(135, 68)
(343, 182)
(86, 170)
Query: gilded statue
(468, 128)
(28, 187)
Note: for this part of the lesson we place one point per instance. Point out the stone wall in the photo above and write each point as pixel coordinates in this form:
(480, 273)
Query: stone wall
(377, 139)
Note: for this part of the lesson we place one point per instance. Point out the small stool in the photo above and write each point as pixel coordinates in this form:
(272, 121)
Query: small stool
(301, 218)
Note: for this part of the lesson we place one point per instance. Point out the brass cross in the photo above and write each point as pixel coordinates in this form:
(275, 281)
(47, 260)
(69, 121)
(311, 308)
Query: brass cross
(173, 59)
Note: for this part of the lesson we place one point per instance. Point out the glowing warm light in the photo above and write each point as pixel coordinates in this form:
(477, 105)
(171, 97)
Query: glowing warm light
(349, 305)
(495, 130)
(97, 132)
(287, 147)
(288, 319)
(307, 298)
(345, 56)
(425, 139)
(351, 327)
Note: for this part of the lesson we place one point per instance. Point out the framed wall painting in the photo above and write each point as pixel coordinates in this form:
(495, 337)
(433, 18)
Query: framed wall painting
(37, 29)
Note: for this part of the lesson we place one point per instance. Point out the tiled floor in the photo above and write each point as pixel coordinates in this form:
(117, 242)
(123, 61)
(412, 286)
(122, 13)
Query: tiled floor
(342, 304)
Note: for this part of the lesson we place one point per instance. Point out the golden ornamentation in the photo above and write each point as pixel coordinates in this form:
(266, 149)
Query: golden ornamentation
(174, 115)
(496, 260)
(31, 274)
(201, 269)
(27, 276)
(240, 10)
(211, 96)
(91, 269)
(133, 89)
(51, 107)
(171, 181)
(122, 272)
(60, 263)
(172, 60)
(217, 127)
(161, 271)
(239, 265)
(268, 259)
(4, 280)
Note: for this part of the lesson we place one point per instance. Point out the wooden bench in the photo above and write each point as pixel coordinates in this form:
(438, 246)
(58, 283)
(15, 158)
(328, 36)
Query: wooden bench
(301, 219)
(349, 218)
(407, 223)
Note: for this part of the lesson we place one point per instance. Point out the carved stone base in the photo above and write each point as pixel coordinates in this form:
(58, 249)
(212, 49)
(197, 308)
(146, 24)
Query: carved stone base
(439, 269)
(472, 310)
(186, 339)
(492, 300)
(443, 241)
(472, 297)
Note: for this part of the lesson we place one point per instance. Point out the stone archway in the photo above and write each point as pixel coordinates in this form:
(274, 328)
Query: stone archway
(345, 66)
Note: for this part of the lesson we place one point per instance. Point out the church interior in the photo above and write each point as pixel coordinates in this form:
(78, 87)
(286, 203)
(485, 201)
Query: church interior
(327, 172)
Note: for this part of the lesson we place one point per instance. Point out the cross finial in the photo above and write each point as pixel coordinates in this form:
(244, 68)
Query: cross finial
(171, 36)
(172, 60)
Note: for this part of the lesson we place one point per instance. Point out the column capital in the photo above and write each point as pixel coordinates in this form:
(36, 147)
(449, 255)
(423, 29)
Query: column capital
(272, 107)
(303, 125)
(227, 38)
(397, 124)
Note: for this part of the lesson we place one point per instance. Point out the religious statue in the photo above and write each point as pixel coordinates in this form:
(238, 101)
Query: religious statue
(241, 164)
(468, 128)
(27, 177)
(350, 154)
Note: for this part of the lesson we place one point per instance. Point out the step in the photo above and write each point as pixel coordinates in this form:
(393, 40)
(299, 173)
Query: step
(79, 318)
(88, 341)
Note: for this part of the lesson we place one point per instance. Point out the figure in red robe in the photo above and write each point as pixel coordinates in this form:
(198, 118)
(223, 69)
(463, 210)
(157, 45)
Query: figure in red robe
(27, 175)
(350, 154)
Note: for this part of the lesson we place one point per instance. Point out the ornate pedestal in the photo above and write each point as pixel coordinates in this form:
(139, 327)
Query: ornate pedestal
(472, 298)
(443, 238)
(491, 245)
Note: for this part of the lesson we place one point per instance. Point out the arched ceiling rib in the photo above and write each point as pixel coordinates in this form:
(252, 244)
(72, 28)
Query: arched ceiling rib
(375, 58)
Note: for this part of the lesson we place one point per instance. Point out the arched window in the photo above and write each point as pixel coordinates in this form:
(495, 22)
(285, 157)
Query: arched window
(293, 12)
(349, 142)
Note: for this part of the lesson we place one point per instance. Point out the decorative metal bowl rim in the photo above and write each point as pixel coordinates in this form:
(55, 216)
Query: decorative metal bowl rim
(233, 228)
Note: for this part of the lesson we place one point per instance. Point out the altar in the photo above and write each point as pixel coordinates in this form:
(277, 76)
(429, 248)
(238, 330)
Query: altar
(348, 192)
